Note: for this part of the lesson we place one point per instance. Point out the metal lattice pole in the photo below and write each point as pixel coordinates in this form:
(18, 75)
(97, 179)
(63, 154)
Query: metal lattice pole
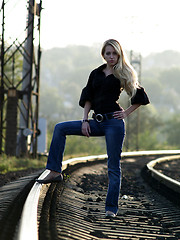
(19, 96)
(26, 84)
(135, 60)
(2, 82)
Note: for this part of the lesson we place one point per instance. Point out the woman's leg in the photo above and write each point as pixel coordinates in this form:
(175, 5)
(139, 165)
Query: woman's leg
(57, 147)
(114, 141)
(58, 142)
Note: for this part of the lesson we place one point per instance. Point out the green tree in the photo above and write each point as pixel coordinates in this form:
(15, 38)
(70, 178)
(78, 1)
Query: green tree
(172, 131)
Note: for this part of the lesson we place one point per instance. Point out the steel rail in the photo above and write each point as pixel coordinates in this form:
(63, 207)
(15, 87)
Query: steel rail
(28, 228)
(28, 222)
(169, 182)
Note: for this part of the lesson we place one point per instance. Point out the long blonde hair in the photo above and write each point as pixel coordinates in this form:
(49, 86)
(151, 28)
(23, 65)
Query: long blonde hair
(123, 70)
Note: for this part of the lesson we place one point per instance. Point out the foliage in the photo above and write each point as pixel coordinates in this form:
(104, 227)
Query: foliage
(172, 131)
(84, 145)
(163, 60)
(8, 163)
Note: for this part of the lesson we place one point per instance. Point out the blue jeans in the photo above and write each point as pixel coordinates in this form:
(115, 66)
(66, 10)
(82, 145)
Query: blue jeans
(114, 132)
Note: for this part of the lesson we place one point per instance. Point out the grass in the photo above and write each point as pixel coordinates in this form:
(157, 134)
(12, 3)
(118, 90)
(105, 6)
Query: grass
(11, 163)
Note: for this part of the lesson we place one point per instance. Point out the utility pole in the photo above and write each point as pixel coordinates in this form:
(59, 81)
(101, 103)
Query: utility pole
(29, 83)
(26, 84)
(135, 60)
(19, 97)
(2, 82)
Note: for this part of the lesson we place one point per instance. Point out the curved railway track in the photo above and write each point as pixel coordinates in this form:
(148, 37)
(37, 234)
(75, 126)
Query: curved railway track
(74, 209)
(169, 166)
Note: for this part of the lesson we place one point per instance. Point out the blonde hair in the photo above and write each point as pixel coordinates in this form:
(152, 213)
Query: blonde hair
(123, 70)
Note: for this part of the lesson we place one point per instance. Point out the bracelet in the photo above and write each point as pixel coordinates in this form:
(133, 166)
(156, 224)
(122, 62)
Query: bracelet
(85, 120)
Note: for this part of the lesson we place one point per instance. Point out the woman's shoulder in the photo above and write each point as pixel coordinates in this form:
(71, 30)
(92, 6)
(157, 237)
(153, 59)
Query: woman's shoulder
(99, 69)
(96, 71)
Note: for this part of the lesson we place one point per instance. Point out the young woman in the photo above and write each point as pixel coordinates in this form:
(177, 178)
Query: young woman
(101, 93)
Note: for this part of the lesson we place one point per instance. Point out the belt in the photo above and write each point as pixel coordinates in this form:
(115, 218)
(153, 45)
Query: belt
(101, 117)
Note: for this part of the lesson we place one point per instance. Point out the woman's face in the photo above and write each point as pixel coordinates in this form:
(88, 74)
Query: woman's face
(110, 55)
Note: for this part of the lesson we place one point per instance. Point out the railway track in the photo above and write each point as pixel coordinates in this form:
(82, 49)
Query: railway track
(169, 167)
(74, 209)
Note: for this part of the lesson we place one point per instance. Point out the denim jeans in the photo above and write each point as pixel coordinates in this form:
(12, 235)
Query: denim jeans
(114, 132)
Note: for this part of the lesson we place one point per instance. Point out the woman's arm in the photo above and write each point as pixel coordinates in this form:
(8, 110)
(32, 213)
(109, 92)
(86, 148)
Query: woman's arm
(85, 125)
(87, 108)
(123, 114)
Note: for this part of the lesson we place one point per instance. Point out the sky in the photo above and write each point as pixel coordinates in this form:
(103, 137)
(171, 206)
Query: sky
(144, 26)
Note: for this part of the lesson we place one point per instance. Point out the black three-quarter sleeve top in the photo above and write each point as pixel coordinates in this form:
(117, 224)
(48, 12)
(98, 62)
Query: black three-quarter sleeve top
(103, 92)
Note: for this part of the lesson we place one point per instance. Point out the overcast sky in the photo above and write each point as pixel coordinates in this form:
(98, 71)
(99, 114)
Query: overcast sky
(140, 25)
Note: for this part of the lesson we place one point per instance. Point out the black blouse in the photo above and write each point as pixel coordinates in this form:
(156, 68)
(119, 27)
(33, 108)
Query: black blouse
(103, 92)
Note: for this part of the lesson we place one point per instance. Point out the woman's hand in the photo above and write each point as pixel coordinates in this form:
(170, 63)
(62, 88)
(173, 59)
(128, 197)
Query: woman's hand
(86, 130)
(120, 114)
(124, 113)
(85, 124)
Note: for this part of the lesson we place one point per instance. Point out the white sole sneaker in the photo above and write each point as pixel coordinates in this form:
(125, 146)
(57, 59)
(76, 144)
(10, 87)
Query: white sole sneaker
(110, 214)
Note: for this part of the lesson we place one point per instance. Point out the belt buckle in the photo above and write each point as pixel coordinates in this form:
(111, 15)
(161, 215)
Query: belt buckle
(99, 117)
